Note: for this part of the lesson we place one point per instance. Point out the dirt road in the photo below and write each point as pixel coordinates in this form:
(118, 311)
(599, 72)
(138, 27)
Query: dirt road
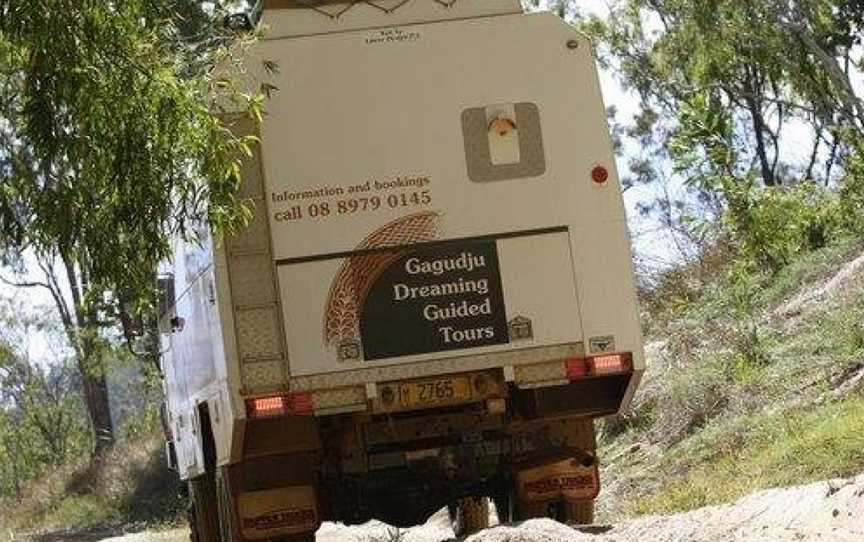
(826, 511)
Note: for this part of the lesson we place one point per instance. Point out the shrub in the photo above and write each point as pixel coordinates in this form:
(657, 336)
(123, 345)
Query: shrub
(776, 224)
(691, 397)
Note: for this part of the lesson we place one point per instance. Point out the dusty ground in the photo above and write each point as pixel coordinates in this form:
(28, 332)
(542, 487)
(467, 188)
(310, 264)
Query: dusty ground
(826, 511)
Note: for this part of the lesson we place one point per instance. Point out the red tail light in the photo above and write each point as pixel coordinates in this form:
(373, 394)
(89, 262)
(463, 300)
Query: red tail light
(280, 405)
(612, 364)
(577, 368)
(302, 403)
(609, 364)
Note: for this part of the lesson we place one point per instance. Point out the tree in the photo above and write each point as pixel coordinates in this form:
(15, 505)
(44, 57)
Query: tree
(42, 419)
(109, 149)
(726, 86)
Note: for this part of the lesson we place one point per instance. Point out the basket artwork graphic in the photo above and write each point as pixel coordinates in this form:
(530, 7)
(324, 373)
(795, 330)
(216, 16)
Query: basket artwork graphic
(357, 275)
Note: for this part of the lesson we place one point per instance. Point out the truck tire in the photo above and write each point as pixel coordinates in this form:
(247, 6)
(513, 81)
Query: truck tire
(577, 512)
(226, 506)
(504, 500)
(204, 511)
(535, 510)
(193, 522)
(571, 513)
(470, 515)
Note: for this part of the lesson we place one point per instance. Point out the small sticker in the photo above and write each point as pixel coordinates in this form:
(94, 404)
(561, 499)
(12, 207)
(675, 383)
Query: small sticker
(521, 329)
(350, 351)
(601, 345)
(392, 35)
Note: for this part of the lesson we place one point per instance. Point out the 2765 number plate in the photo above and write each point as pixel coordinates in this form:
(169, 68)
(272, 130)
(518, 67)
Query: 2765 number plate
(432, 392)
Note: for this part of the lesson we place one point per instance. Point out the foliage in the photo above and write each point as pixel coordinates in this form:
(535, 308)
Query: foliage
(748, 386)
(131, 486)
(110, 144)
(111, 148)
(727, 91)
(42, 419)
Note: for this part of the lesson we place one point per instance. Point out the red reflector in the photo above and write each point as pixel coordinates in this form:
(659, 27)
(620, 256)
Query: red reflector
(302, 403)
(600, 174)
(577, 368)
(267, 406)
(609, 365)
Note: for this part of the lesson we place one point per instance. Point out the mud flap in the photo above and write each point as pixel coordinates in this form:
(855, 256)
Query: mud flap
(567, 479)
(278, 512)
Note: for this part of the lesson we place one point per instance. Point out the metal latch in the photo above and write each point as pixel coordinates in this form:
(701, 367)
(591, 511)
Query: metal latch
(503, 134)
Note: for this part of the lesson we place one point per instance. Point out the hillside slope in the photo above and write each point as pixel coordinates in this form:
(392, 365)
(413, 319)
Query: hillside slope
(749, 387)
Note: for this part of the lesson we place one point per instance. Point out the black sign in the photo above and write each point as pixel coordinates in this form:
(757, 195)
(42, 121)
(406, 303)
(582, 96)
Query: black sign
(436, 298)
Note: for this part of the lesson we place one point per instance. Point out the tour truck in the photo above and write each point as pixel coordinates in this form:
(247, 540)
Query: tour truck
(434, 298)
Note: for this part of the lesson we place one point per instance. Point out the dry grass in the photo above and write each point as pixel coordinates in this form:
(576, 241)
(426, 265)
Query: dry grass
(133, 486)
(712, 423)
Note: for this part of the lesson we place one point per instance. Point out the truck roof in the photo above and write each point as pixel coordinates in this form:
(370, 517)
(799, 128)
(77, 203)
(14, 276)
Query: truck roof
(293, 18)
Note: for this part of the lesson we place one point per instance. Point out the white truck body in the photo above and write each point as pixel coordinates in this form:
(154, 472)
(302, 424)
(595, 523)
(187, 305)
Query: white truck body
(435, 192)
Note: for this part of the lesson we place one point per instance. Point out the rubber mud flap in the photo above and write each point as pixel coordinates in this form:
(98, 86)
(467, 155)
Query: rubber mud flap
(280, 512)
(565, 479)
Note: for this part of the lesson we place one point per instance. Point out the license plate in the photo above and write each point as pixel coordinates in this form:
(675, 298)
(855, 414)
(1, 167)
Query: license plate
(434, 392)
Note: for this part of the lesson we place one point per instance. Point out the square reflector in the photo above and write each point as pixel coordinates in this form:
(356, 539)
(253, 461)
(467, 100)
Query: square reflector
(302, 403)
(577, 368)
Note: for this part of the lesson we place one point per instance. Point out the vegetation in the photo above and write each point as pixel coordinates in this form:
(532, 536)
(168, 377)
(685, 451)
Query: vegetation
(43, 424)
(131, 488)
(110, 147)
(748, 131)
(735, 402)
(782, 449)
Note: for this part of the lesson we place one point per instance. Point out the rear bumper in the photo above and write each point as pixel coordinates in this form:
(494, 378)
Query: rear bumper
(365, 390)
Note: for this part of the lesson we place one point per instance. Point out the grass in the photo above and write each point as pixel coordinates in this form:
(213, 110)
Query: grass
(810, 268)
(742, 401)
(133, 487)
(784, 449)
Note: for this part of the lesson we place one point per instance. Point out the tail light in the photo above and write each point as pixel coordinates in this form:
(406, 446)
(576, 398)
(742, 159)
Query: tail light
(605, 365)
(280, 405)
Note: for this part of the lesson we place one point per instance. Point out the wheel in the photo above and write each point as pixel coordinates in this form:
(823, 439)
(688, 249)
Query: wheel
(226, 514)
(204, 510)
(470, 515)
(193, 524)
(571, 513)
(505, 504)
(577, 512)
(534, 510)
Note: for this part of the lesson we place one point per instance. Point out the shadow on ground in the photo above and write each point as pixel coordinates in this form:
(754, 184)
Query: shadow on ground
(89, 534)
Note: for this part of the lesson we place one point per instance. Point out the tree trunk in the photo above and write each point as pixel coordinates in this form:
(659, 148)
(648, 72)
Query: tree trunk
(84, 335)
(96, 397)
(754, 105)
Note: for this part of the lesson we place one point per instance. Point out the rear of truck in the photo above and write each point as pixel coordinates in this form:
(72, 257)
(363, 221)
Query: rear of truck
(435, 296)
